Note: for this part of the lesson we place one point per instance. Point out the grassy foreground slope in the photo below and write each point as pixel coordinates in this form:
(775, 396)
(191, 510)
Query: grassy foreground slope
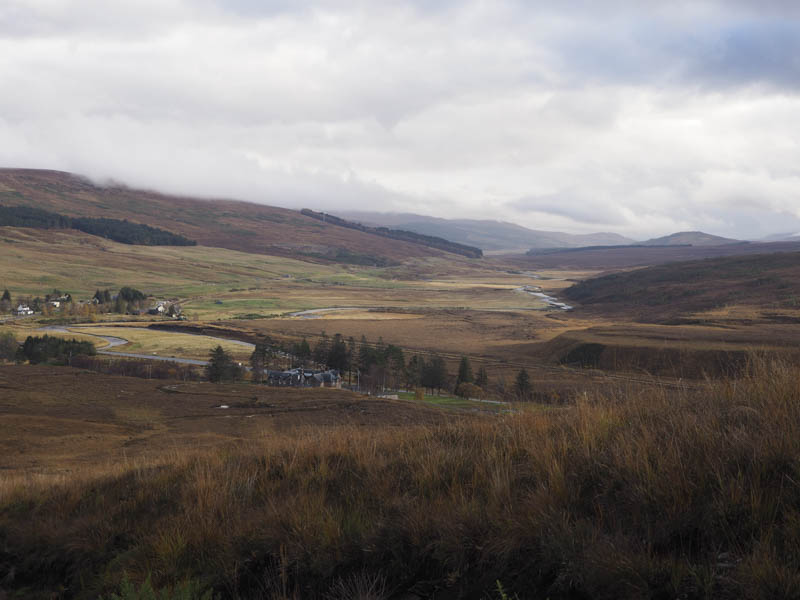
(241, 226)
(661, 494)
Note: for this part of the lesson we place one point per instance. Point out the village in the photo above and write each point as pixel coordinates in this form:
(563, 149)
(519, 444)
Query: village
(128, 301)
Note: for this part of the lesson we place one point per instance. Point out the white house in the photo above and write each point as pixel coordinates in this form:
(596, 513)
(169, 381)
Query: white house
(24, 309)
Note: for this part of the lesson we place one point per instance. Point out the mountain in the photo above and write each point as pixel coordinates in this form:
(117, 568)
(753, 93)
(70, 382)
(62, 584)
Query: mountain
(690, 238)
(491, 236)
(235, 225)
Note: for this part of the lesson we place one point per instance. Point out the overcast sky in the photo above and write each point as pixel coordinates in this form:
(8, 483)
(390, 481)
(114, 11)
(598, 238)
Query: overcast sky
(641, 118)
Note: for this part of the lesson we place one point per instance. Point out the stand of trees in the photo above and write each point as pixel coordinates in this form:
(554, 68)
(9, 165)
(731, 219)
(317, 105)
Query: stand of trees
(122, 231)
(430, 374)
(128, 299)
(374, 366)
(53, 349)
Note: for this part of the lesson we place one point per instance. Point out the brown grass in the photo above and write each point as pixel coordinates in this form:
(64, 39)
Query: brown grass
(665, 495)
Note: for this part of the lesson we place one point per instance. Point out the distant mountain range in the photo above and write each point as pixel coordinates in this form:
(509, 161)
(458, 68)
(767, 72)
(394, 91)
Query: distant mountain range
(783, 237)
(501, 237)
(690, 238)
(491, 236)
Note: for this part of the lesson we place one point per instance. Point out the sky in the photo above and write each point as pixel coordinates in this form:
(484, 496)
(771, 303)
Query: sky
(641, 118)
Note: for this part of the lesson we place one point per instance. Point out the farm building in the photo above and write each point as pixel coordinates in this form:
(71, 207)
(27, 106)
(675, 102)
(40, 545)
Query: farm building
(24, 310)
(304, 378)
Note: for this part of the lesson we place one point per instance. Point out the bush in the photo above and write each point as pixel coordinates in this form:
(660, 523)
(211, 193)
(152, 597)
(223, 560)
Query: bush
(469, 390)
(189, 590)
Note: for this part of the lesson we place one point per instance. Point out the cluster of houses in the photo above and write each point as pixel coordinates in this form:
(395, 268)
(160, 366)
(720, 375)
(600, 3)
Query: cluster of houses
(162, 308)
(25, 310)
(304, 378)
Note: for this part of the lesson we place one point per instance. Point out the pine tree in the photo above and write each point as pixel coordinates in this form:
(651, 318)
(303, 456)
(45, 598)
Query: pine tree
(337, 354)
(351, 358)
(221, 366)
(414, 371)
(258, 360)
(434, 374)
(482, 378)
(365, 355)
(522, 385)
(322, 349)
(464, 372)
(5, 302)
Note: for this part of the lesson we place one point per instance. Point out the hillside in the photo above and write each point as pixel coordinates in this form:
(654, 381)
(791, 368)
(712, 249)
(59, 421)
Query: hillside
(624, 257)
(663, 292)
(234, 225)
(782, 237)
(490, 236)
(430, 241)
(690, 238)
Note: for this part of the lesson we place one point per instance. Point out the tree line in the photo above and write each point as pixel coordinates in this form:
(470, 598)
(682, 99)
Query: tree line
(49, 349)
(122, 231)
(369, 366)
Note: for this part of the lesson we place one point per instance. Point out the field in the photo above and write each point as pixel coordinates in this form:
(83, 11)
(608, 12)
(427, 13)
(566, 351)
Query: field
(180, 345)
(58, 421)
(319, 494)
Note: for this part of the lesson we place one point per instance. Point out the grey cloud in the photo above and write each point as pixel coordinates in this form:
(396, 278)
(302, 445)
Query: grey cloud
(635, 117)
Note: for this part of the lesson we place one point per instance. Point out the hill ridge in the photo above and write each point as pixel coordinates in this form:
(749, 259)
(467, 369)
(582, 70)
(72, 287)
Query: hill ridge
(225, 223)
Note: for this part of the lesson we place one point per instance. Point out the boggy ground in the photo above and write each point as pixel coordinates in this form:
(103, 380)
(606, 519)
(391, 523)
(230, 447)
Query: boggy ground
(654, 494)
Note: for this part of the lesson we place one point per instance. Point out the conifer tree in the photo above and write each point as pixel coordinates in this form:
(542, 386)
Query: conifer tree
(522, 385)
(221, 366)
(482, 378)
(464, 372)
